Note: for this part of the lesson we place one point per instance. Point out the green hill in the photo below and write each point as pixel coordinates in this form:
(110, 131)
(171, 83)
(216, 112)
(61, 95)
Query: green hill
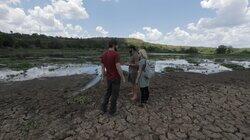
(17, 40)
(35, 41)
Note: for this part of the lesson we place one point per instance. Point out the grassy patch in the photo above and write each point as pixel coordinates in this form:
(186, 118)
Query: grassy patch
(20, 66)
(233, 66)
(193, 61)
(28, 125)
(170, 69)
(78, 100)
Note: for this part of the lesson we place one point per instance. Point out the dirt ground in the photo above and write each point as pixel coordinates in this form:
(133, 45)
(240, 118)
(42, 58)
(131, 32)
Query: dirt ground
(181, 106)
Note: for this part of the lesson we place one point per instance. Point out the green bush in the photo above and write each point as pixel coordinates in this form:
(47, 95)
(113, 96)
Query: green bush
(171, 69)
(222, 49)
(234, 66)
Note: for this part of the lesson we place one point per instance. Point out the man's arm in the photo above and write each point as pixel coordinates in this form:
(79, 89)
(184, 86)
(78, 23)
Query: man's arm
(119, 69)
(103, 71)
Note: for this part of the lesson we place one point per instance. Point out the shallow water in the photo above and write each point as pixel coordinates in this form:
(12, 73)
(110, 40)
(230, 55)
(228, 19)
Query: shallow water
(245, 64)
(48, 71)
(166, 54)
(205, 66)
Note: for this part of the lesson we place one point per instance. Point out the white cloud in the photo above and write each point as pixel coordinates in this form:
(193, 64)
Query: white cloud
(230, 26)
(150, 34)
(102, 31)
(70, 9)
(229, 13)
(137, 35)
(43, 19)
(13, 1)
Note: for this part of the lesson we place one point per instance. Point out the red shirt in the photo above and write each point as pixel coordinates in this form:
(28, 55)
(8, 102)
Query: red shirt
(109, 60)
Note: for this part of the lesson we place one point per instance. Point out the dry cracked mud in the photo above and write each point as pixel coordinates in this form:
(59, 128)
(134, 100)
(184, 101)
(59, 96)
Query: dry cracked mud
(181, 106)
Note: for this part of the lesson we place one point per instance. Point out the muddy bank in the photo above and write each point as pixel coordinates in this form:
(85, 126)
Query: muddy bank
(181, 106)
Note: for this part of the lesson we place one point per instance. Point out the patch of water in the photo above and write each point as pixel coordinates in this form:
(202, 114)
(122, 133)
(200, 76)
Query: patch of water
(245, 64)
(166, 54)
(48, 71)
(205, 66)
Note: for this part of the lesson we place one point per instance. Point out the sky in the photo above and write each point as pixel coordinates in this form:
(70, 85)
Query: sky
(206, 23)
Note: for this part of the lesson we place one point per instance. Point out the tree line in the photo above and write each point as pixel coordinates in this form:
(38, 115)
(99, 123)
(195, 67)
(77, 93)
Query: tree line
(17, 40)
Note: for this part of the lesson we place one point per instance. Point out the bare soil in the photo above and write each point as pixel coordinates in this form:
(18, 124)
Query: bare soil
(181, 106)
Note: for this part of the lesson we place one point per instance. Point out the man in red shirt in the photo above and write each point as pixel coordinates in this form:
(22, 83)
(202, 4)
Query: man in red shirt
(111, 68)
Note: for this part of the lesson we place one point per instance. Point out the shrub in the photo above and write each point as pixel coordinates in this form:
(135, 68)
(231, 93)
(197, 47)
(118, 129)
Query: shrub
(192, 50)
(171, 69)
(222, 49)
(234, 66)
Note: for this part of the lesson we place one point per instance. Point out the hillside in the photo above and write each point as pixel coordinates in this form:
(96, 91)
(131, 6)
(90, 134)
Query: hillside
(35, 41)
(17, 40)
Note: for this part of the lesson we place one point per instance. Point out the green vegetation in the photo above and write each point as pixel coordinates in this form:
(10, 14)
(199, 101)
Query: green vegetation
(23, 41)
(222, 49)
(78, 100)
(22, 51)
(27, 126)
(234, 66)
(17, 40)
(193, 61)
(171, 69)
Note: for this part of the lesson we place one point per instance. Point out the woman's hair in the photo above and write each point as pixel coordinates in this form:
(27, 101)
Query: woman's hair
(143, 53)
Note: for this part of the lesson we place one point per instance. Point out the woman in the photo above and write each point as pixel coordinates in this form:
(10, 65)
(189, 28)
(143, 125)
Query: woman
(141, 79)
(133, 70)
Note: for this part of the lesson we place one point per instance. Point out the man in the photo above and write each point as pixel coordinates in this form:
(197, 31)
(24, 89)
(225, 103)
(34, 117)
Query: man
(133, 70)
(111, 68)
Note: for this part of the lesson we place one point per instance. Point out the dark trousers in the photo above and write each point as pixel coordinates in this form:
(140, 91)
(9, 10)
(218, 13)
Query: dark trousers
(113, 92)
(144, 94)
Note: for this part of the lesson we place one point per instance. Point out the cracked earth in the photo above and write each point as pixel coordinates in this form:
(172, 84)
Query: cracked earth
(181, 106)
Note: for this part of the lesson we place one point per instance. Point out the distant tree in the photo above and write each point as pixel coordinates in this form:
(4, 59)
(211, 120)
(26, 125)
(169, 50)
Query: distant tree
(1, 40)
(222, 49)
(38, 43)
(21, 44)
(182, 50)
(8, 41)
(229, 49)
(55, 44)
(192, 50)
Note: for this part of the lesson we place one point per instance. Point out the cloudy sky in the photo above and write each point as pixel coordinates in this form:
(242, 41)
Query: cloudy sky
(176, 22)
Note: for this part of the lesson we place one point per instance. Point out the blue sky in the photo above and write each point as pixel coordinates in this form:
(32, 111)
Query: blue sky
(126, 16)
(176, 22)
